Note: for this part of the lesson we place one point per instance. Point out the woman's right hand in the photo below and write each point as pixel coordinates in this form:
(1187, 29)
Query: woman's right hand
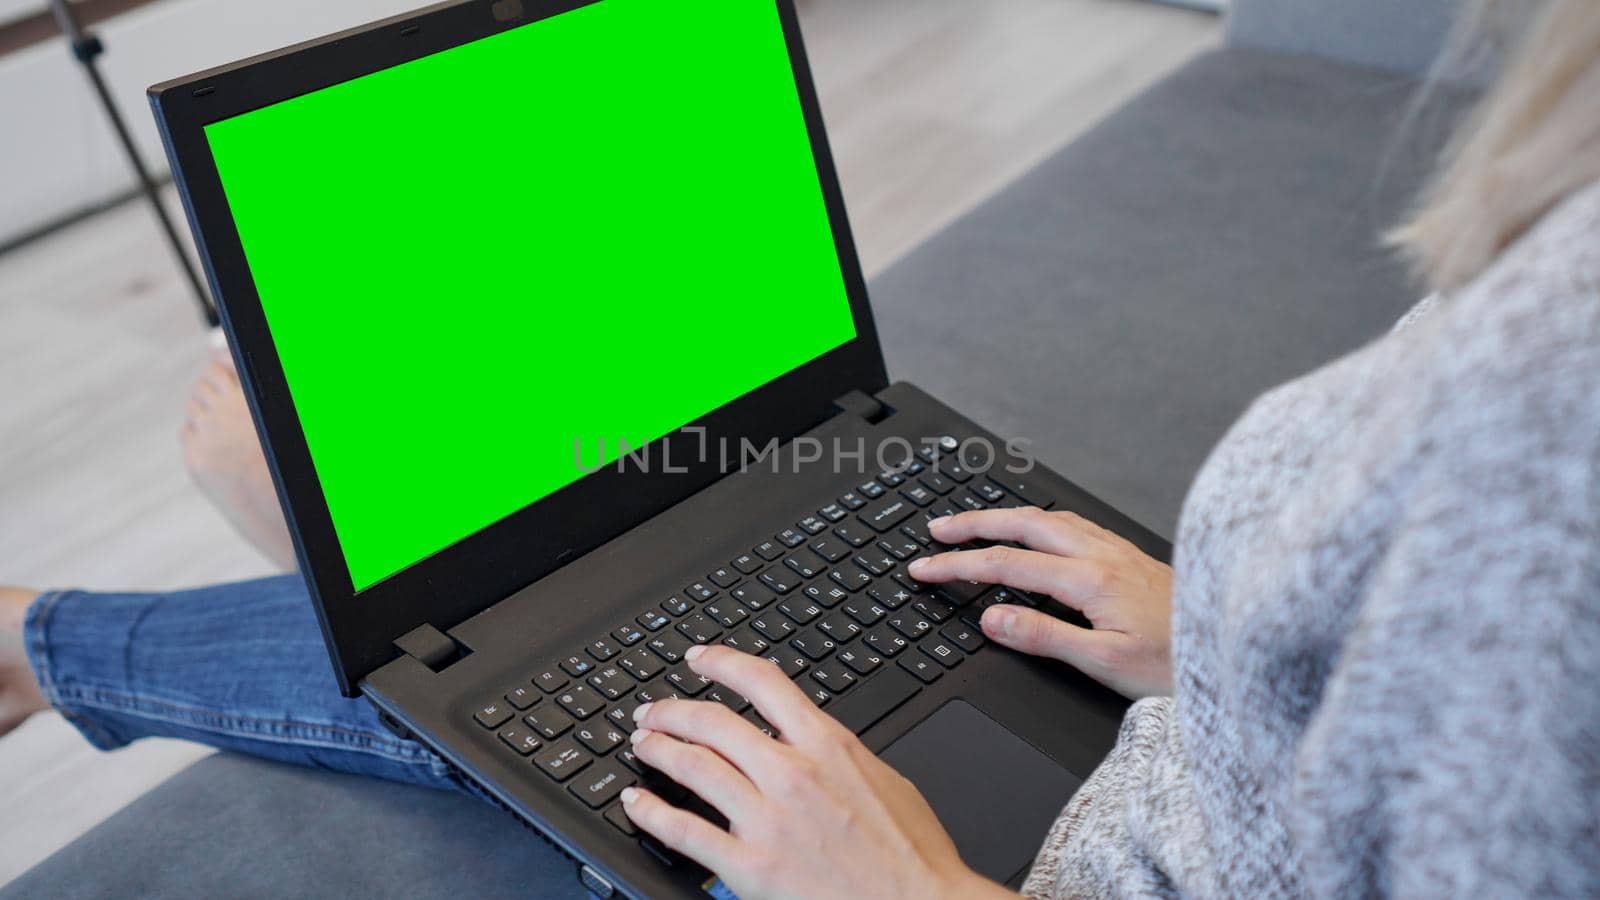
(1125, 594)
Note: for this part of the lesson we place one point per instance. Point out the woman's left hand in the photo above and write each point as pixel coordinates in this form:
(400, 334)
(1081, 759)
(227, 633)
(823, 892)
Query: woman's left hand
(812, 814)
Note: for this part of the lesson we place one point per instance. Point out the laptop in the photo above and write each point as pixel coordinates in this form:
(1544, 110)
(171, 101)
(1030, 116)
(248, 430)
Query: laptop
(555, 336)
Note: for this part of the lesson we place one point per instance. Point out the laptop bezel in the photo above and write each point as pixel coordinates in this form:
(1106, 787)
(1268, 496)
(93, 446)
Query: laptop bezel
(472, 574)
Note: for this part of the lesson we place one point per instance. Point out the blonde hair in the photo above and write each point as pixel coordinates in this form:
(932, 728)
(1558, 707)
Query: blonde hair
(1533, 141)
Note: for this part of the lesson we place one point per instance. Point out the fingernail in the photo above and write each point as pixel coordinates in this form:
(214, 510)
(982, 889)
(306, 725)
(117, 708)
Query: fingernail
(629, 795)
(935, 523)
(638, 714)
(998, 619)
(917, 565)
(693, 653)
(639, 735)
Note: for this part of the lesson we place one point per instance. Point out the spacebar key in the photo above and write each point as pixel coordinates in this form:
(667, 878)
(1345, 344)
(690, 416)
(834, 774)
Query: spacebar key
(866, 705)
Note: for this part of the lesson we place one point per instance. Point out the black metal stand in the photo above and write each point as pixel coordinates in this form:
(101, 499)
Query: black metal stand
(86, 47)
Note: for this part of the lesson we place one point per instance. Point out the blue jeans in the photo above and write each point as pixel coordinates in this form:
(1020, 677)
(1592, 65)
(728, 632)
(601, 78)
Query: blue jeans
(240, 667)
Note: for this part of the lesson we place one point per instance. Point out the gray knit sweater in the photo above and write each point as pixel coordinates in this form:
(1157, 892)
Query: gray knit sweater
(1386, 622)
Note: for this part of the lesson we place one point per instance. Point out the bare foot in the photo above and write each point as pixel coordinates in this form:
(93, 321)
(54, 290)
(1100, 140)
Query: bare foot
(19, 690)
(225, 459)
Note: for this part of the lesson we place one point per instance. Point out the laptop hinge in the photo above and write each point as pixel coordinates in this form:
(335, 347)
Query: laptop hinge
(431, 647)
(864, 405)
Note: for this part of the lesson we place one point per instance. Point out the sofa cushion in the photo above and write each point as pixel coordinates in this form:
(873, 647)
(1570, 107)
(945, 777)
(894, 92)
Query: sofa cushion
(1120, 305)
(1123, 302)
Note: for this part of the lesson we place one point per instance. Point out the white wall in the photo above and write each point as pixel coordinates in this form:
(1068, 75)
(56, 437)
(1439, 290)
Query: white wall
(57, 151)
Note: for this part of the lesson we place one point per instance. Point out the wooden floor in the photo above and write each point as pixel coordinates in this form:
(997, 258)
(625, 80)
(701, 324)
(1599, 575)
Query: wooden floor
(932, 105)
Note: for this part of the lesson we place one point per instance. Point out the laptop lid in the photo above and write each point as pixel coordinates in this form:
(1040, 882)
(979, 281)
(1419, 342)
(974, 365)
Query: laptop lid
(469, 259)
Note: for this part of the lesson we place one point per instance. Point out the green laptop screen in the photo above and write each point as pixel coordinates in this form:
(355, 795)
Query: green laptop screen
(484, 265)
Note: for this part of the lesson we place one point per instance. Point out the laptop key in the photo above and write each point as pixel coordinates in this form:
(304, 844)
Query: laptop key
(522, 698)
(910, 624)
(754, 596)
(967, 501)
(724, 577)
(563, 760)
(850, 579)
(612, 682)
(700, 591)
(691, 683)
(833, 512)
(629, 759)
(653, 621)
(825, 594)
(919, 495)
(967, 637)
(864, 610)
(621, 715)
(780, 580)
(830, 548)
(854, 534)
(883, 640)
(952, 469)
(669, 646)
(599, 738)
(818, 694)
(801, 610)
(789, 537)
(900, 547)
(746, 563)
(494, 714)
(937, 483)
(876, 563)
(618, 817)
(727, 697)
(603, 649)
(627, 635)
(891, 595)
(909, 583)
(580, 701)
(551, 723)
(769, 550)
(700, 629)
(642, 664)
(861, 660)
(676, 606)
(813, 525)
(773, 627)
(790, 662)
(727, 613)
(922, 667)
(834, 676)
(960, 593)
(576, 666)
(877, 697)
(942, 652)
(852, 500)
(935, 608)
(883, 515)
(521, 740)
(806, 564)
(656, 693)
(892, 479)
(840, 627)
(987, 491)
(745, 640)
(813, 643)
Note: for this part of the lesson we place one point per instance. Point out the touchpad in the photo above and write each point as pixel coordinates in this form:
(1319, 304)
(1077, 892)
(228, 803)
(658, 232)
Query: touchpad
(995, 794)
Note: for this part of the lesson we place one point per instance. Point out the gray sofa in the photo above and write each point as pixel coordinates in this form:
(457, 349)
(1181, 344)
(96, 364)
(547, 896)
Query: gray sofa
(1120, 305)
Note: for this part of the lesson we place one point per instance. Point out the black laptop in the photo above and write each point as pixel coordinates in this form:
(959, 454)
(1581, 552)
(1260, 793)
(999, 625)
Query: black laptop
(556, 339)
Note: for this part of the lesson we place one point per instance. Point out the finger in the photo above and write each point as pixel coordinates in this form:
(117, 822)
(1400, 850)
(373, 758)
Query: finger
(698, 769)
(1030, 526)
(683, 831)
(715, 726)
(1036, 634)
(1063, 578)
(764, 685)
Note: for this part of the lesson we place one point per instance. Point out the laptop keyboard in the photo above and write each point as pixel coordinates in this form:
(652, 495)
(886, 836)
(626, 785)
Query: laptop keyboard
(825, 597)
